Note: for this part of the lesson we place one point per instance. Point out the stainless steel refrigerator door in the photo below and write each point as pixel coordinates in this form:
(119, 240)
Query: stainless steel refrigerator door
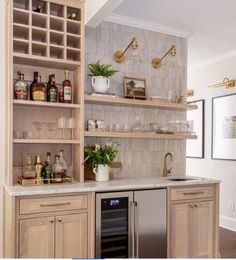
(150, 224)
(99, 198)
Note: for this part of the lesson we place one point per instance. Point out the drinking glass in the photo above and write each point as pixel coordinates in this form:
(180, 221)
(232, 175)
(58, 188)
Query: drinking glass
(38, 128)
(51, 126)
(61, 124)
(70, 123)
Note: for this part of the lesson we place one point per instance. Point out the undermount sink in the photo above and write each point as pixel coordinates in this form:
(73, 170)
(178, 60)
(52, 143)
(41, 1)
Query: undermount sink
(181, 179)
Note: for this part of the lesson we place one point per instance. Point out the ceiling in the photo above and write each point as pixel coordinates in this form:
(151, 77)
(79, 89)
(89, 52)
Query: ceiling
(210, 24)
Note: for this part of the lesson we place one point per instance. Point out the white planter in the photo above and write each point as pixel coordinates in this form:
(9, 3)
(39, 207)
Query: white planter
(102, 173)
(100, 84)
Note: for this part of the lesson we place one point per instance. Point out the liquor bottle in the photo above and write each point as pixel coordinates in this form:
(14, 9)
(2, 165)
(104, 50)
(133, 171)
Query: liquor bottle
(28, 167)
(57, 169)
(48, 167)
(52, 90)
(38, 169)
(36, 74)
(38, 89)
(63, 162)
(67, 88)
(61, 94)
(37, 9)
(21, 87)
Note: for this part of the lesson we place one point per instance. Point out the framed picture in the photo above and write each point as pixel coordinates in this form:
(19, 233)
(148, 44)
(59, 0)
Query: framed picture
(135, 88)
(195, 148)
(224, 127)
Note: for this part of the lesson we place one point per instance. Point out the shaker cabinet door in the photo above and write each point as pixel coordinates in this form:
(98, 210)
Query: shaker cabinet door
(71, 238)
(181, 231)
(203, 235)
(36, 238)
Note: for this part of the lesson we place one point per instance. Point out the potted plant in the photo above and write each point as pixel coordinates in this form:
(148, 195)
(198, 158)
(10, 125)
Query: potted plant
(100, 156)
(100, 74)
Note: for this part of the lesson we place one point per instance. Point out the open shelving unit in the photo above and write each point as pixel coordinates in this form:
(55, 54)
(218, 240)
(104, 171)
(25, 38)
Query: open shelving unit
(125, 102)
(48, 42)
(139, 135)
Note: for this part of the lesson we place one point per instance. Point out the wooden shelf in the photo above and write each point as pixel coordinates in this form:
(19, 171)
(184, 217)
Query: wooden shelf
(45, 141)
(113, 101)
(44, 104)
(25, 59)
(139, 135)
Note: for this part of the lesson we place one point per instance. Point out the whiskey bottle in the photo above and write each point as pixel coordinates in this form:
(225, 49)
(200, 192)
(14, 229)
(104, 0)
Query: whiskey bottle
(21, 87)
(57, 169)
(38, 169)
(38, 89)
(67, 88)
(36, 74)
(61, 94)
(52, 90)
(48, 167)
(63, 162)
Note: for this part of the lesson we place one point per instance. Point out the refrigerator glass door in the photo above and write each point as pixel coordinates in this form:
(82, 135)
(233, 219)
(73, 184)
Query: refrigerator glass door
(150, 223)
(114, 232)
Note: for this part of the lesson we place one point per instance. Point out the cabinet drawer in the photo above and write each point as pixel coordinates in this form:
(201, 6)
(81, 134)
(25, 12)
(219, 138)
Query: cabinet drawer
(38, 205)
(191, 193)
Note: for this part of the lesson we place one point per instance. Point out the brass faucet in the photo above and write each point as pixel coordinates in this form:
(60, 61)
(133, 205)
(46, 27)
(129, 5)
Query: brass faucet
(165, 170)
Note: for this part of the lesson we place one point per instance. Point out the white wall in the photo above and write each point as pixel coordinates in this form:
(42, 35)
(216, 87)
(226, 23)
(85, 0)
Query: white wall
(199, 79)
(2, 112)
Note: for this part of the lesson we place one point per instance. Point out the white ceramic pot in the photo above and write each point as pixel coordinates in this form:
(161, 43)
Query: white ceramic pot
(100, 84)
(101, 173)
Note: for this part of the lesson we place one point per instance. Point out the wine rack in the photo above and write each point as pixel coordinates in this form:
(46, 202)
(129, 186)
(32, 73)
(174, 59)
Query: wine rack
(48, 33)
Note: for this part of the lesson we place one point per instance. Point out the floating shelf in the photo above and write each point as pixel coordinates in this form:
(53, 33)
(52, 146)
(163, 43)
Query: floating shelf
(22, 58)
(44, 104)
(139, 135)
(113, 101)
(45, 141)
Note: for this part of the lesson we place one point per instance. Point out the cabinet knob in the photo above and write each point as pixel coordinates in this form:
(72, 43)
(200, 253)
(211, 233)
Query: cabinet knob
(59, 220)
(51, 221)
(191, 206)
(195, 205)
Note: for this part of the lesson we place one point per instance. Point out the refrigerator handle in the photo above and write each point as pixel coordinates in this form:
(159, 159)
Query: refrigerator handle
(132, 240)
(136, 221)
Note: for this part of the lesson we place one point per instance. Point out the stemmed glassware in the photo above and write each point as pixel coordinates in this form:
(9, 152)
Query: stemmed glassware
(52, 127)
(38, 128)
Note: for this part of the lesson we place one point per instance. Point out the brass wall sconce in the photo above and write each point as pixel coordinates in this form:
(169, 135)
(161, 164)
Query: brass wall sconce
(157, 62)
(119, 56)
(226, 83)
(190, 92)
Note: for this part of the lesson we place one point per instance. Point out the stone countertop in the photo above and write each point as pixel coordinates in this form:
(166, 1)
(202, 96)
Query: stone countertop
(112, 185)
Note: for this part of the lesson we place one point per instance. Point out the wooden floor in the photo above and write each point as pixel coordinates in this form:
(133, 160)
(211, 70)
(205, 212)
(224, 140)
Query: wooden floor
(227, 243)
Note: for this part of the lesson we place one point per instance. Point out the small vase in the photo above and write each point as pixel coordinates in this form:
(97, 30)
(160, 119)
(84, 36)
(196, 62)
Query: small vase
(100, 84)
(101, 173)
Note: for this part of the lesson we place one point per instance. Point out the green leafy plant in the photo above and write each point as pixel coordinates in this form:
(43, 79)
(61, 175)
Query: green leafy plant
(97, 69)
(101, 154)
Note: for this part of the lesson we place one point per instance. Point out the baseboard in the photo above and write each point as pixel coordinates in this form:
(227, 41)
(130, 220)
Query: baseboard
(228, 222)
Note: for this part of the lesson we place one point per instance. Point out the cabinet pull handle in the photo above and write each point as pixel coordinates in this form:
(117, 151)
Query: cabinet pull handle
(132, 217)
(55, 204)
(195, 205)
(136, 221)
(193, 193)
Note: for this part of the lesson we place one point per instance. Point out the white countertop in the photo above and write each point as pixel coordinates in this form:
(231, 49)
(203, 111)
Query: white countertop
(112, 185)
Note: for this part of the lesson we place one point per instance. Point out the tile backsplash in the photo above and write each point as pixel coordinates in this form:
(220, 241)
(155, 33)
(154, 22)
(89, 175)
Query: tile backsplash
(139, 157)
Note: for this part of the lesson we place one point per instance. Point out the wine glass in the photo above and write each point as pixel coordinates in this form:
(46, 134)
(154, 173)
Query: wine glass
(51, 126)
(61, 124)
(38, 128)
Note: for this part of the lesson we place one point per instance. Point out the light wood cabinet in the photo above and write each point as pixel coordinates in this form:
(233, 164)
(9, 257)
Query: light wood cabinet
(193, 224)
(61, 237)
(71, 236)
(36, 238)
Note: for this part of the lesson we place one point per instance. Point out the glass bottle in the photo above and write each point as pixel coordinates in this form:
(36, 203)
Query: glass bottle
(67, 88)
(38, 169)
(36, 74)
(38, 90)
(57, 169)
(63, 162)
(48, 167)
(21, 87)
(28, 167)
(52, 90)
